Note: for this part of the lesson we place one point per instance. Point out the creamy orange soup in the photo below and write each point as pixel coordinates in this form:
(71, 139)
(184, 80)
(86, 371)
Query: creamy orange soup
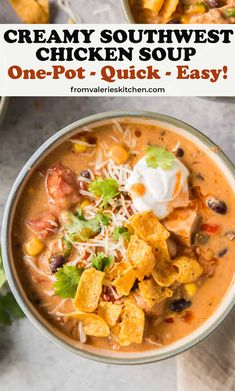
(183, 11)
(118, 259)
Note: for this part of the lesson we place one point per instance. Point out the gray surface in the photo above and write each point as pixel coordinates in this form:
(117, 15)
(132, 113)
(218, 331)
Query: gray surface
(87, 11)
(28, 361)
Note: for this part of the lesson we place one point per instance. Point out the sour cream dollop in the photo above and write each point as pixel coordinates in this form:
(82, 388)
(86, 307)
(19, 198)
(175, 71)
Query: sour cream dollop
(158, 189)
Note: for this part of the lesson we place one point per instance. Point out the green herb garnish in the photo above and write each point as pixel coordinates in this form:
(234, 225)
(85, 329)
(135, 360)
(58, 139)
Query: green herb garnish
(199, 3)
(9, 309)
(230, 12)
(121, 231)
(159, 157)
(67, 247)
(103, 219)
(78, 228)
(107, 188)
(67, 279)
(101, 262)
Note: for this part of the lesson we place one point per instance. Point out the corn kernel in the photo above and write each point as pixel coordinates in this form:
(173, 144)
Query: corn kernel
(34, 246)
(190, 289)
(197, 9)
(185, 19)
(79, 148)
(118, 154)
(85, 203)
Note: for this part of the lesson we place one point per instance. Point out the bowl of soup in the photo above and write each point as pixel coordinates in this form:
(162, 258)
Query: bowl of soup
(118, 237)
(179, 11)
(3, 107)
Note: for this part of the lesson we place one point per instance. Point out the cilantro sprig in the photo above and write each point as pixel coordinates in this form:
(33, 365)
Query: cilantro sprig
(67, 280)
(78, 228)
(107, 188)
(159, 157)
(121, 231)
(103, 219)
(230, 12)
(67, 247)
(101, 262)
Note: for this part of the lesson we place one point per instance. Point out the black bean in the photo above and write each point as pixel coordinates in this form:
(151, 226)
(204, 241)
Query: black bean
(56, 262)
(92, 139)
(180, 305)
(214, 3)
(86, 174)
(230, 235)
(174, 21)
(222, 252)
(179, 152)
(217, 206)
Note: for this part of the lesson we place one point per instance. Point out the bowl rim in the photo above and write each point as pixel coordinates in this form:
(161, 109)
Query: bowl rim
(5, 234)
(3, 107)
(127, 11)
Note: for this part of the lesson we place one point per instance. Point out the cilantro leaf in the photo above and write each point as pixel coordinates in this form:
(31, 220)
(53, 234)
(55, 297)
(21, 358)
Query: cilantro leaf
(121, 231)
(67, 246)
(2, 273)
(159, 157)
(67, 279)
(103, 219)
(107, 188)
(101, 262)
(230, 12)
(202, 3)
(9, 309)
(78, 228)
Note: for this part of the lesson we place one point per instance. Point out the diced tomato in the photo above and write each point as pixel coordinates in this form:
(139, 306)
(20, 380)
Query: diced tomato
(169, 320)
(130, 210)
(188, 316)
(86, 255)
(62, 186)
(210, 228)
(107, 294)
(45, 226)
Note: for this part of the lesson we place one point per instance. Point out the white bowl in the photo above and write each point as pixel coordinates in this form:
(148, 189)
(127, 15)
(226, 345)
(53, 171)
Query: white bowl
(228, 301)
(127, 11)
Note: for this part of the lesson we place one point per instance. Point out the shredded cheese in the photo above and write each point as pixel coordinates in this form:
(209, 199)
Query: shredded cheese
(119, 210)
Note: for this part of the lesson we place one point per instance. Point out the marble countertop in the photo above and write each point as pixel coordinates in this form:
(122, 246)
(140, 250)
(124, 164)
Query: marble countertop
(85, 11)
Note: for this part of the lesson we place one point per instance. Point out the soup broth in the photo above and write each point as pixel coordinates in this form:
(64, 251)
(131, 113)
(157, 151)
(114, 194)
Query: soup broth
(118, 262)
